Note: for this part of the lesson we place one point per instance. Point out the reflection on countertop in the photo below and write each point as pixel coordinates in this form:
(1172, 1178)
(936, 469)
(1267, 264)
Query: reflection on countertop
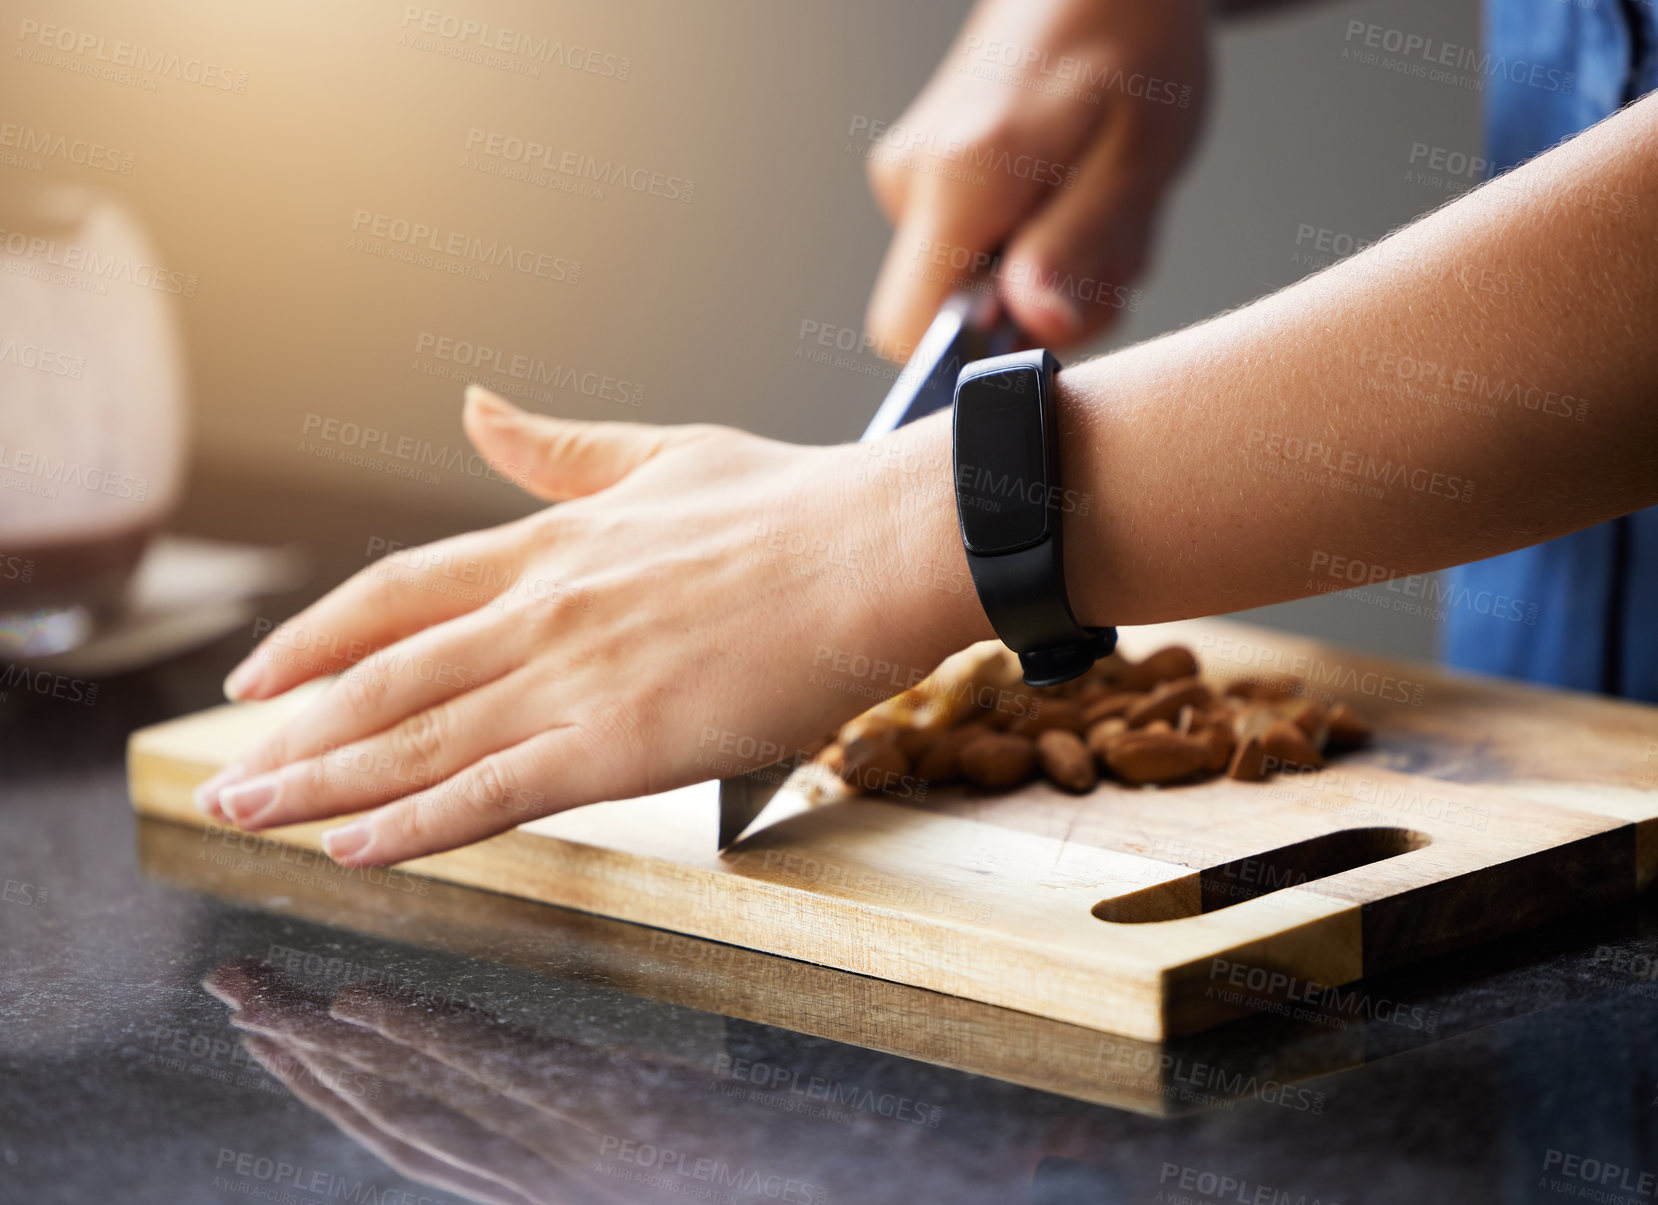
(393, 1040)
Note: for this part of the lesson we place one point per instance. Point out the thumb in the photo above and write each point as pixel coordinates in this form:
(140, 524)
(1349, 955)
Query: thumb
(942, 243)
(557, 458)
(1066, 274)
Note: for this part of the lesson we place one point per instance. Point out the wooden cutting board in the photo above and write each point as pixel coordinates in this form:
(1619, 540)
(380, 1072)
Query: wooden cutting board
(1483, 807)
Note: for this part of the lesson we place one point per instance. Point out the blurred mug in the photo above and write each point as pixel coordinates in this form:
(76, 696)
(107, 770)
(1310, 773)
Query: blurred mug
(92, 411)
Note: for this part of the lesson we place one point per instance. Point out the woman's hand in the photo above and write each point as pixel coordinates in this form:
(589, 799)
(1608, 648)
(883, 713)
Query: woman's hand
(709, 601)
(1051, 130)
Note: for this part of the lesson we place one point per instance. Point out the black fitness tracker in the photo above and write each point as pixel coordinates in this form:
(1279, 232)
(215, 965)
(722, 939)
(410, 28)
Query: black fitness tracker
(1009, 503)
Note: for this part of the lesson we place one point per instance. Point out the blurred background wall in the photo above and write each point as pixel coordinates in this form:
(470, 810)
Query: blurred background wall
(285, 175)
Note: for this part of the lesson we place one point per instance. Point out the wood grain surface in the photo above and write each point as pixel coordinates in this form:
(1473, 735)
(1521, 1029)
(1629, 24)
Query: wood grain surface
(1482, 807)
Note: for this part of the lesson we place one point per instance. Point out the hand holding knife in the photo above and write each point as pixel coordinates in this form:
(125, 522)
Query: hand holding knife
(970, 325)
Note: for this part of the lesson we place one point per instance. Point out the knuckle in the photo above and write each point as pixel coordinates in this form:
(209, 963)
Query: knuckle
(364, 688)
(489, 783)
(412, 824)
(373, 583)
(547, 529)
(542, 613)
(419, 740)
(886, 177)
(696, 434)
(331, 772)
(393, 573)
(624, 727)
(272, 753)
(558, 442)
(881, 324)
(701, 430)
(995, 131)
(491, 788)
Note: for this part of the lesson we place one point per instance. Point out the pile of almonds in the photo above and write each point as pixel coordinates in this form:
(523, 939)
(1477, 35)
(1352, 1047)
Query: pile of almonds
(1149, 722)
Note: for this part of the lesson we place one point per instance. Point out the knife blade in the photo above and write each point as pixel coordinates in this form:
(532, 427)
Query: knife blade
(970, 325)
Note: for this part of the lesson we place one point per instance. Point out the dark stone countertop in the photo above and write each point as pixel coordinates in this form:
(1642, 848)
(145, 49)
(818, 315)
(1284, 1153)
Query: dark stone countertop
(1524, 1070)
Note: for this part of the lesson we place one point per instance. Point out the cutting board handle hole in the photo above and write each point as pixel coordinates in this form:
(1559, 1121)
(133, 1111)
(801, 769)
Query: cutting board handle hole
(1249, 878)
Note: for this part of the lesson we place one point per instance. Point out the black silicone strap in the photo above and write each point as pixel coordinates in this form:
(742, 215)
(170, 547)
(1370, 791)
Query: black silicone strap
(1023, 591)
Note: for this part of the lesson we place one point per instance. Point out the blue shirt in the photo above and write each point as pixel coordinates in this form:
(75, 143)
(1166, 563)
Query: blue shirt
(1580, 611)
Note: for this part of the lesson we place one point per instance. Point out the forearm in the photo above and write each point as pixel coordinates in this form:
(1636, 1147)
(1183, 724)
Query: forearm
(1478, 382)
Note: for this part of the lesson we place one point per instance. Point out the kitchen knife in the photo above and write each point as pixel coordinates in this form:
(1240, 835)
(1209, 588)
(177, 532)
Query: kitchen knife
(970, 325)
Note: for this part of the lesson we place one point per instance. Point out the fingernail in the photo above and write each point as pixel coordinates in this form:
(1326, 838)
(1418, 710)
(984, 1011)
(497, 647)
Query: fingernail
(243, 679)
(206, 795)
(1065, 309)
(346, 841)
(247, 802)
(492, 406)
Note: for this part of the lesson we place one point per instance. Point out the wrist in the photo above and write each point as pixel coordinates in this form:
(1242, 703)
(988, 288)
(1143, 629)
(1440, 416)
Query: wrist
(909, 480)
(1082, 510)
(905, 489)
